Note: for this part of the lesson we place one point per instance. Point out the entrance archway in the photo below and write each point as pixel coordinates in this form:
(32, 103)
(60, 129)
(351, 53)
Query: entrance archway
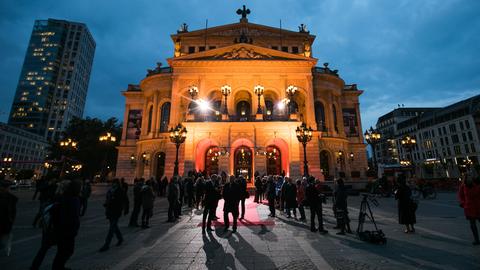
(160, 167)
(243, 162)
(325, 163)
(211, 160)
(274, 160)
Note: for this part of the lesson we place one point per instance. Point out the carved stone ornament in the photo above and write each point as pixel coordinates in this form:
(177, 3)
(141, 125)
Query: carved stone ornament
(242, 53)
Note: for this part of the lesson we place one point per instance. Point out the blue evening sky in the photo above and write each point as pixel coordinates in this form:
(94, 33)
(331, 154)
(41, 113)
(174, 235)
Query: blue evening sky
(412, 52)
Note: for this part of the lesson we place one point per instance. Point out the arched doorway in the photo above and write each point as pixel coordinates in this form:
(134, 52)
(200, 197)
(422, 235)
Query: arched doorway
(274, 160)
(324, 164)
(211, 160)
(243, 110)
(160, 168)
(243, 162)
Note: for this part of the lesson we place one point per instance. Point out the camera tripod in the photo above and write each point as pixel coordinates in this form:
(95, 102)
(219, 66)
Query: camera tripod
(376, 236)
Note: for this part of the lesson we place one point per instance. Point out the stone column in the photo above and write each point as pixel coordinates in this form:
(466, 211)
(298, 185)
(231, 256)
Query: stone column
(125, 123)
(154, 114)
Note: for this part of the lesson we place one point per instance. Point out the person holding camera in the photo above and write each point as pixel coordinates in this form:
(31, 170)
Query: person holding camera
(314, 200)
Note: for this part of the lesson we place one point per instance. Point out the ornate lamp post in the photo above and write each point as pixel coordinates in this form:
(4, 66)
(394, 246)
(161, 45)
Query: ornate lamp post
(66, 145)
(304, 135)
(133, 160)
(373, 137)
(193, 91)
(408, 143)
(291, 89)
(226, 90)
(258, 90)
(177, 136)
(106, 139)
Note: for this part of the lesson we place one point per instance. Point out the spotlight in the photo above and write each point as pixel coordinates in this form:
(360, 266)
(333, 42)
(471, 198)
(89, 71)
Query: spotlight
(203, 105)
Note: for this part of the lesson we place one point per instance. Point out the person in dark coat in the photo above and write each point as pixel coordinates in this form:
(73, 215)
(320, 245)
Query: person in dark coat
(8, 212)
(84, 196)
(199, 191)
(148, 197)
(406, 207)
(137, 202)
(271, 195)
(231, 195)
(164, 185)
(173, 197)
(46, 197)
(218, 193)
(341, 209)
(209, 206)
(469, 197)
(290, 195)
(314, 200)
(242, 184)
(190, 191)
(115, 204)
(258, 189)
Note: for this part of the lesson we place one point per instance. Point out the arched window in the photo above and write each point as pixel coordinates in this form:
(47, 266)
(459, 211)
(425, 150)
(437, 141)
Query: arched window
(293, 106)
(215, 112)
(320, 116)
(335, 125)
(243, 110)
(269, 109)
(150, 114)
(165, 119)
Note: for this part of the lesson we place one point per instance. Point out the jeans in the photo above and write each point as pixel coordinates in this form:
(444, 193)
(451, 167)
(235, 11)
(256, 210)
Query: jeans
(227, 222)
(113, 230)
(316, 210)
(208, 215)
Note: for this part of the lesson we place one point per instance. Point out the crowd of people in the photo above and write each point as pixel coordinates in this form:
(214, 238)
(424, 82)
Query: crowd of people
(62, 203)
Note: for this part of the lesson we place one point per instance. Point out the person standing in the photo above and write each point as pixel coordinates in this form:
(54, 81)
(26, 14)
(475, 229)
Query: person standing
(199, 190)
(258, 189)
(231, 195)
(406, 206)
(341, 210)
(148, 197)
(218, 193)
(290, 194)
(301, 200)
(46, 197)
(469, 197)
(209, 204)
(164, 185)
(173, 197)
(8, 212)
(271, 194)
(115, 204)
(85, 195)
(315, 202)
(137, 202)
(190, 191)
(242, 184)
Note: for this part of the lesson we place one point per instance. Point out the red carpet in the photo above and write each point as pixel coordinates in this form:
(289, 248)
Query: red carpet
(251, 215)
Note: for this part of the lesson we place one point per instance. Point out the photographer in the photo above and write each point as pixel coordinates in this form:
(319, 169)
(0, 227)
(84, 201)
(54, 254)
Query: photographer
(314, 200)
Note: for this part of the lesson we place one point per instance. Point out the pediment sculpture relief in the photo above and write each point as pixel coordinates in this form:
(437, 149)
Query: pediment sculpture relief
(242, 53)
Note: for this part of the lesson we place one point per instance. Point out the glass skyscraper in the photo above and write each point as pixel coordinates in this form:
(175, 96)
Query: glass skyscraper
(53, 83)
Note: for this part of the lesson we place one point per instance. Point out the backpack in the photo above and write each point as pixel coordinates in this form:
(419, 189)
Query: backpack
(47, 222)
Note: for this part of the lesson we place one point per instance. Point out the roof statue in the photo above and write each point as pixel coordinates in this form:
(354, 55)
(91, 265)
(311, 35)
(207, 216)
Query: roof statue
(244, 12)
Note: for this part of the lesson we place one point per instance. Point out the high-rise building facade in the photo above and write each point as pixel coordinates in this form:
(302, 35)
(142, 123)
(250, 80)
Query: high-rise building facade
(53, 83)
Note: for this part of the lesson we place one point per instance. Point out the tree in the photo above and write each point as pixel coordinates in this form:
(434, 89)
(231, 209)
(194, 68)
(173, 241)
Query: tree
(92, 154)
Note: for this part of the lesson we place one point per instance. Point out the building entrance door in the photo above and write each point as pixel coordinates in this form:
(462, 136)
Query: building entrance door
(160, 170)
(274, 161)
(243, 162)
(211, 160)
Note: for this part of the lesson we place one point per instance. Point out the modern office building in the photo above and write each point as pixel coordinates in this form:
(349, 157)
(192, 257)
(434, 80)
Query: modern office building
(53, 83)
(21, 150)
(447, 139)
(241, 90)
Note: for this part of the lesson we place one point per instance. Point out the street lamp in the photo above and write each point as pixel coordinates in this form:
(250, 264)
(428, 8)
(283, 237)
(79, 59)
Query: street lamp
(408, 143)
(133, 160)
(291, 89)
(304, 135)
(258, 90)
(66, 145)
(373, 137)
(226, 90)
(177, 136)
(351, 156)
(107, 139)
(144, 158)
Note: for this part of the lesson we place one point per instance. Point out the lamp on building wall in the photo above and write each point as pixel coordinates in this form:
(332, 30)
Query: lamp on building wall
(258, 90)
(351, 156)
(226, 90)
(340, 156)
(145, 158)
(193, 91)
(408, 143)
(291, 89)
(133, 160)
(373, 137)
(177, 136)
(304, 135)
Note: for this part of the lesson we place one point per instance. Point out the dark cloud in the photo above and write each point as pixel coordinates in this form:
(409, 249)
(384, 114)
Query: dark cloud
(419, 53)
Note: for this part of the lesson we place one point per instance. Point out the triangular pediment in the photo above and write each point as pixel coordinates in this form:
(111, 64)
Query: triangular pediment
(242, 51)
(251, 29)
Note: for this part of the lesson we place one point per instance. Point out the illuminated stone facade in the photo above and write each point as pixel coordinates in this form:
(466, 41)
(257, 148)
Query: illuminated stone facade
(242, 140)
